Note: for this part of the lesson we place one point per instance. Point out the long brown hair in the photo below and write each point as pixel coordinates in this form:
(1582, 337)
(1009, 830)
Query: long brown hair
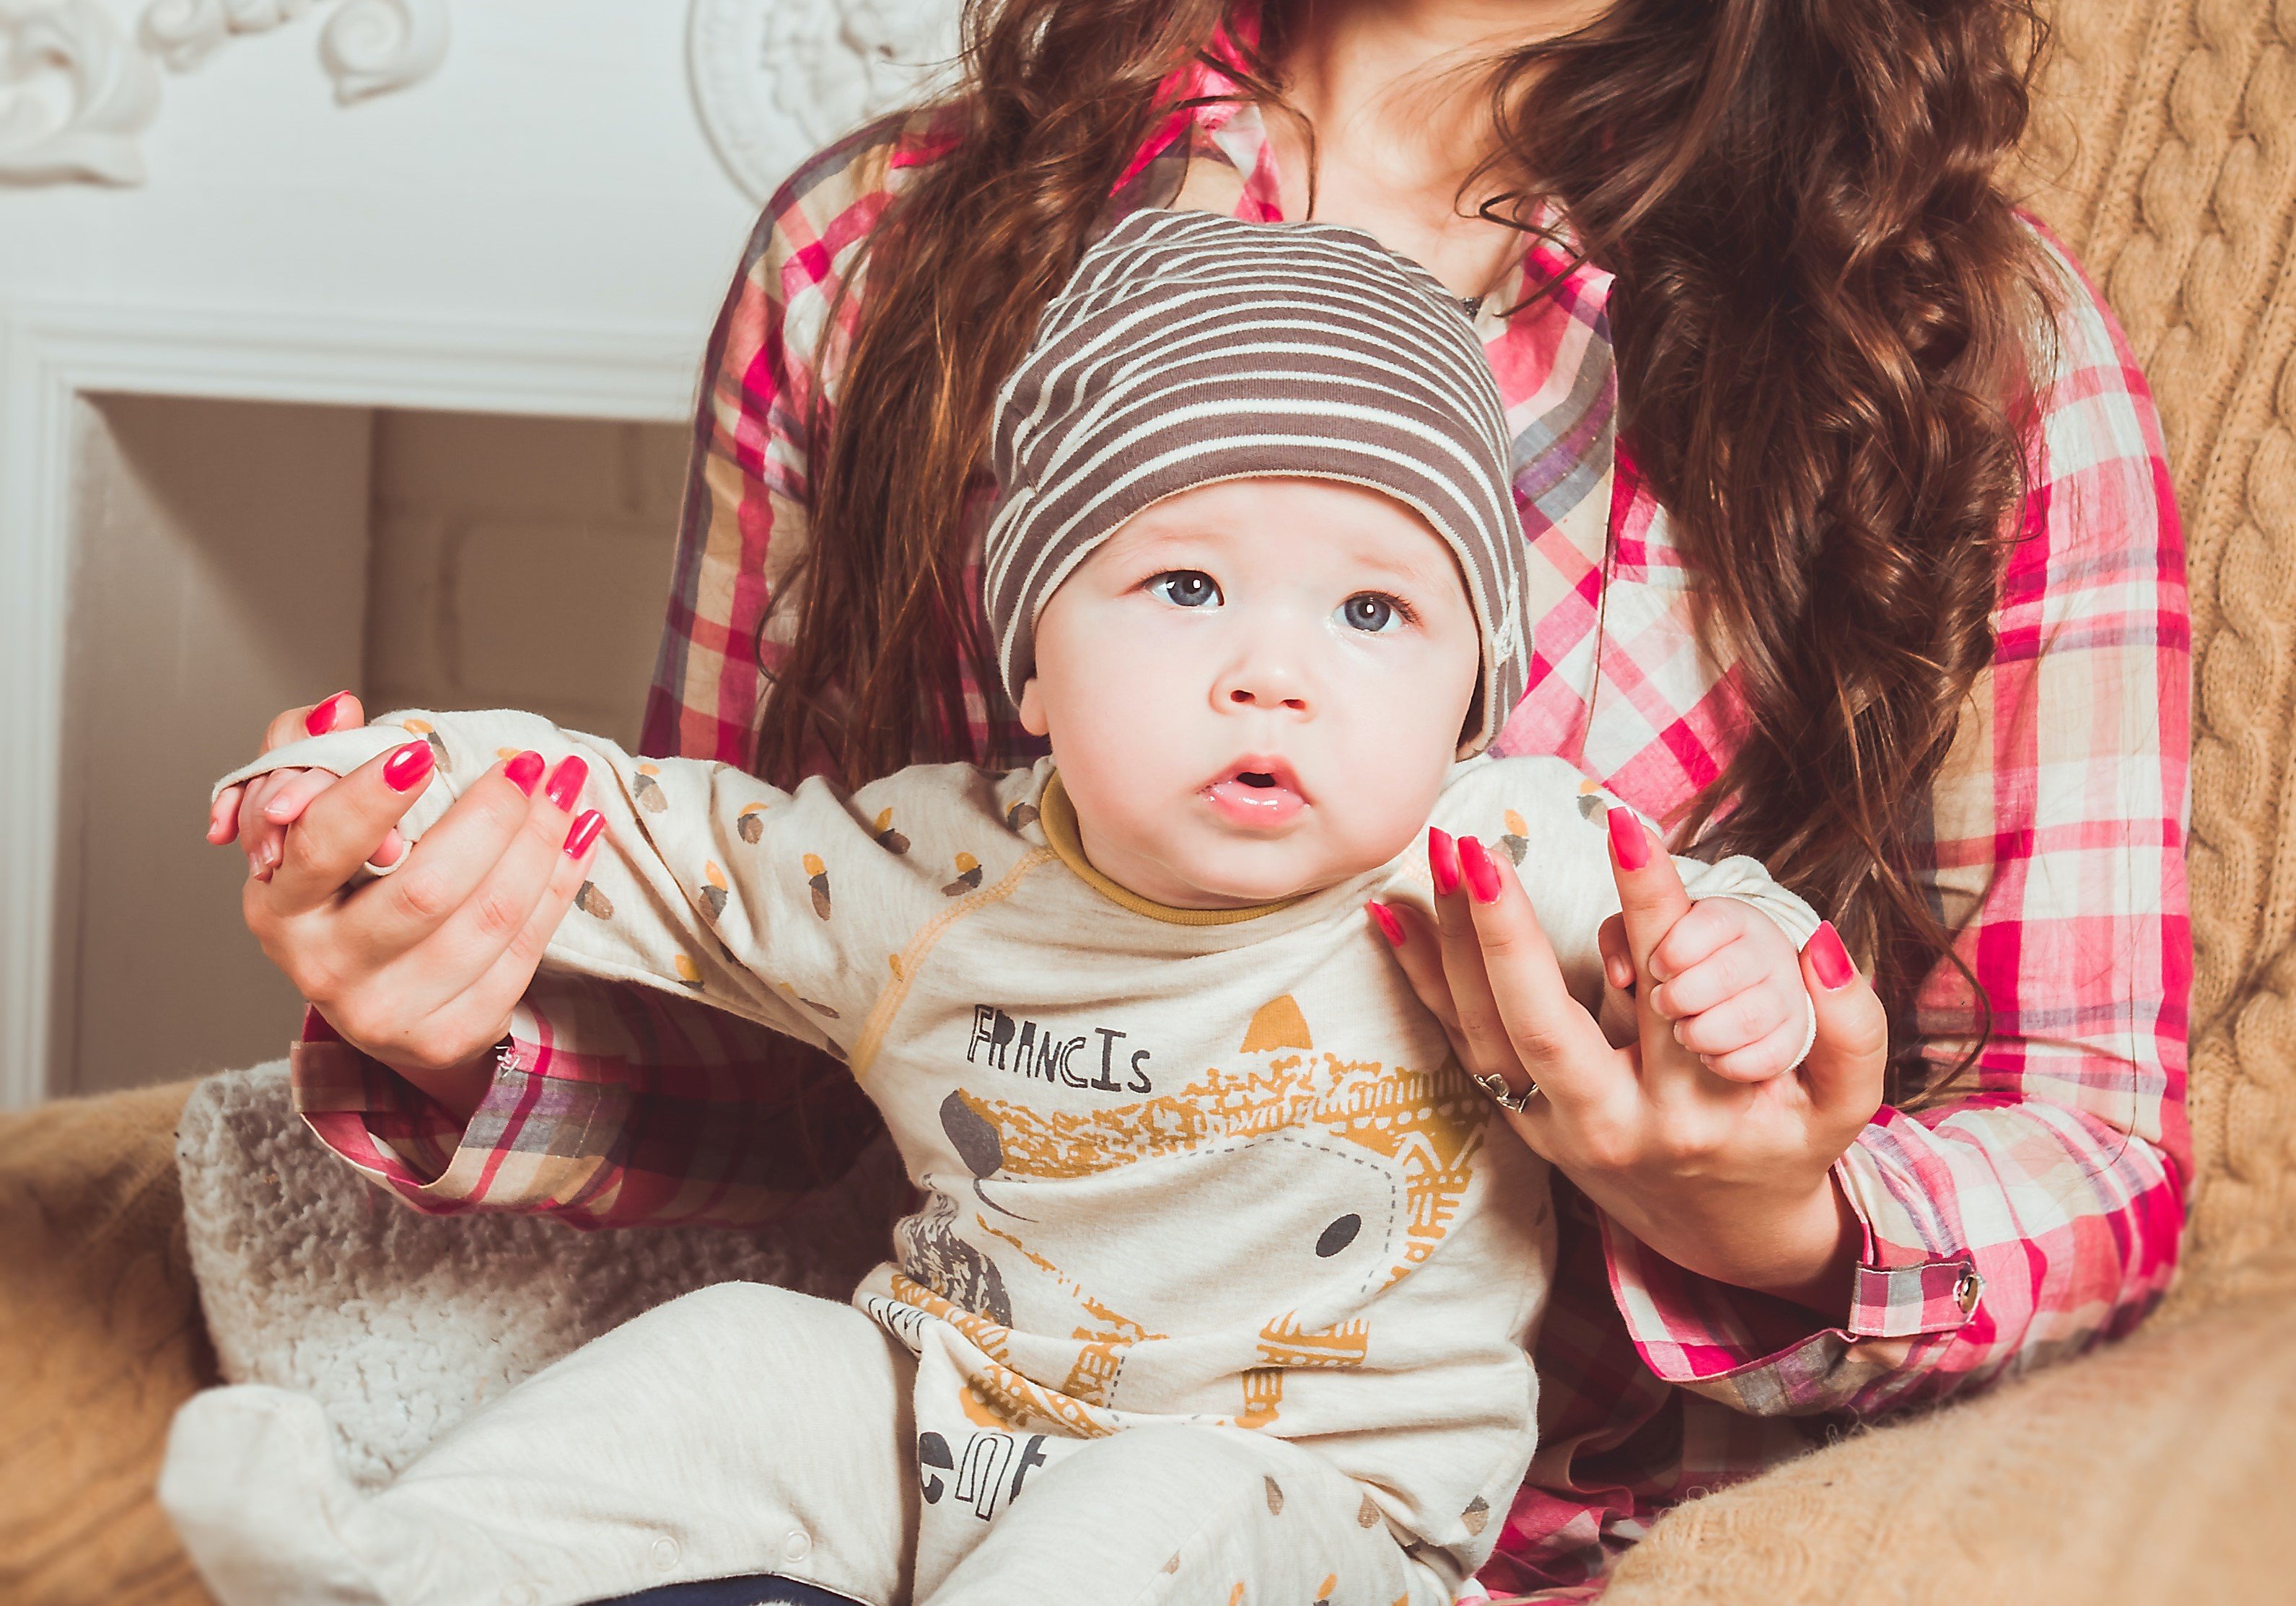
(1825, 315)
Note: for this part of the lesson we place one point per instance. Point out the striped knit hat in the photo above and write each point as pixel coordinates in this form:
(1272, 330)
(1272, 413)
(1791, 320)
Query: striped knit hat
(1191, 347)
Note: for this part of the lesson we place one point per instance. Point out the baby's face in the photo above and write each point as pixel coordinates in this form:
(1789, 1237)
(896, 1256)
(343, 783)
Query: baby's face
(1255, 688)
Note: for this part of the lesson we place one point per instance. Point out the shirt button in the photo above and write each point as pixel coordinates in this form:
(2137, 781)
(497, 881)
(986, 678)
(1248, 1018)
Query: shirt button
(1967, 1290)
(797, 1546)
(665, 1552)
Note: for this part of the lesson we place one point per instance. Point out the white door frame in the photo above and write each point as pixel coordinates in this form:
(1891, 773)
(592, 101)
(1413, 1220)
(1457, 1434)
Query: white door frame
(54, 352)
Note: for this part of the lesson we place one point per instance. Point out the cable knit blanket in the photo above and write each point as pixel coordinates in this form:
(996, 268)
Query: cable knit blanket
(399, 1323)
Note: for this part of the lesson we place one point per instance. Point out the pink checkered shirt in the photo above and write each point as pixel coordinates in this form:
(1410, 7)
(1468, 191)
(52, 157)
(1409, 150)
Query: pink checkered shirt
(2025, 1220)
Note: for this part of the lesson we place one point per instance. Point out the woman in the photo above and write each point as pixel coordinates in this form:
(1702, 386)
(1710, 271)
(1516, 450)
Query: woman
(1857, 554)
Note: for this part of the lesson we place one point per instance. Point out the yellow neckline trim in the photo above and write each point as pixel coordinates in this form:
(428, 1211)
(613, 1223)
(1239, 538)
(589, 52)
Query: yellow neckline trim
(1057, 815)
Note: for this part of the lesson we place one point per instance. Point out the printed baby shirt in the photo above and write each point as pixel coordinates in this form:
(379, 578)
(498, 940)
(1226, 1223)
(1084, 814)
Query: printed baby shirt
(1177, 1166)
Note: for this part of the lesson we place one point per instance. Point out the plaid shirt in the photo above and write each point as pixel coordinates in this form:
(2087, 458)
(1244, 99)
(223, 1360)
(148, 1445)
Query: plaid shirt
(2025, 1219)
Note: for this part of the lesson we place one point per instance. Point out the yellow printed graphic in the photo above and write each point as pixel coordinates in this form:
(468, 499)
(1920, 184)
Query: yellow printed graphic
(1093, 1376)
(1429, 1124)
(1285, 1346)
(1279, 1024)
(1010, 1399)
(1420, 1131)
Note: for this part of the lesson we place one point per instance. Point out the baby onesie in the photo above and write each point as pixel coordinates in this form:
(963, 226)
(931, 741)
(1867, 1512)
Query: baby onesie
(1178, 1168)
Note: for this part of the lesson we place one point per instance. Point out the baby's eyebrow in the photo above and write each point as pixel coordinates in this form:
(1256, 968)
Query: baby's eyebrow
(1185, 545)
(1412, 570)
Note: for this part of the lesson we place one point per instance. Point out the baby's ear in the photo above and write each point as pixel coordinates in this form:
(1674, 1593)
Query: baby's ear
(1032, 710)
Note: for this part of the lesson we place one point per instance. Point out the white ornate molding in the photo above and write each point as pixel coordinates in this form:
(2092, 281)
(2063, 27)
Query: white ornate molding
(368, 47)
(75, 95)
(776, 79)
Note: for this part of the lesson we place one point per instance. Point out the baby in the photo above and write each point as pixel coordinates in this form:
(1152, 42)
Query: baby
(1222, 1280)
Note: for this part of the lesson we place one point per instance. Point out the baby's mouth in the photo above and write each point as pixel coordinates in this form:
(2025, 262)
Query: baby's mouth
(1258, 792)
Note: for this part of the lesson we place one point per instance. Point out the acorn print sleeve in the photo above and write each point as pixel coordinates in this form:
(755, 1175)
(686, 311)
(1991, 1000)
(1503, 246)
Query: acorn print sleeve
(1549, 821)
(786, 908)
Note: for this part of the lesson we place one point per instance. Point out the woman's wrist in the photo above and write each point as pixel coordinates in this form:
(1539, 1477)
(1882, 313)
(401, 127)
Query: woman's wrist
(460, 1088)
(1819, 1256)
(1803, 1250)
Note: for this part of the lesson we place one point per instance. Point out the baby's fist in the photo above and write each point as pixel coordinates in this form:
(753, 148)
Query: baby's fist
(1730, 979)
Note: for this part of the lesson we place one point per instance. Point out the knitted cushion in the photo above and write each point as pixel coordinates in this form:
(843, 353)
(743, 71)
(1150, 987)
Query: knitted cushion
(399, 1323)
(2166, 157)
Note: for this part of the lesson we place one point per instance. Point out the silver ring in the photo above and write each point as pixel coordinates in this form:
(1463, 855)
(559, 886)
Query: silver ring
(1496, 1086)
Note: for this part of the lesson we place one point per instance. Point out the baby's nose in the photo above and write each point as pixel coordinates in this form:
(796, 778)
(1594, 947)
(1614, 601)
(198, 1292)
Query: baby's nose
(1250, 695)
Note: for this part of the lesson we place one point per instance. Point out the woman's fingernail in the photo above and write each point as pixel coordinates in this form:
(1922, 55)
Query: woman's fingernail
(409, 767)
(320, 720)
(1442, 861)
(584, 832)
(566, 781)
(1389, 926)
(1482, 875)
(523, 771)
(1829, 958)
(1628, 841)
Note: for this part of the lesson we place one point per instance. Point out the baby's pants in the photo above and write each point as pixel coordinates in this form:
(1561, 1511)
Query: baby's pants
(746, 1429)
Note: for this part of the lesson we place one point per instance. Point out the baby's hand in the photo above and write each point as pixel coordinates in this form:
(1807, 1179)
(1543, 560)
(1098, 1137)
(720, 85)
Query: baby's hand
(1730, 979)
(259, 812)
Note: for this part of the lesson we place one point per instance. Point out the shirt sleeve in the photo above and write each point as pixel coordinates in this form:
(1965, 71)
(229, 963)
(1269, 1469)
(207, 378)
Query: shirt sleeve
(610, 1107)
(789, 909)
(2033, 1206)
(1551, 823)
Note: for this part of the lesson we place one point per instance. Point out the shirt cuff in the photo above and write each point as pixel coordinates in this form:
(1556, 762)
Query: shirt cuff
(528, 1145)
(1768, 1355)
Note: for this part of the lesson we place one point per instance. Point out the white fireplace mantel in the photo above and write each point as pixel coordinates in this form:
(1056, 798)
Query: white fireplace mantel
(517, 206)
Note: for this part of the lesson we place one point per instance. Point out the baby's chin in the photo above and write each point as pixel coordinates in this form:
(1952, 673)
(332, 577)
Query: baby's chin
(1235, 874)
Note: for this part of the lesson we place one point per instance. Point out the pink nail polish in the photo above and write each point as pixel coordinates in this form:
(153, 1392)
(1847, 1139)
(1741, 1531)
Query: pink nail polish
(1442, 861)
(565, 784)
(409, 767)
(1628, 841)
(1482, 875)
(320, 720)
(523, 771)
(1389, 926)
(584, 832)
(1829, 958)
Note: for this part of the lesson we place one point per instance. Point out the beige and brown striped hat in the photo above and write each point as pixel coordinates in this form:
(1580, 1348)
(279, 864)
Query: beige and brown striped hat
(1190, 347)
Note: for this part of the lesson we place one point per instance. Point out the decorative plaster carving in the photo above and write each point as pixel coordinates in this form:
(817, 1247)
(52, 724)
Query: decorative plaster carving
(372, 47)
(183, 33)
(775, 79)
(75, 93)
(369, 48)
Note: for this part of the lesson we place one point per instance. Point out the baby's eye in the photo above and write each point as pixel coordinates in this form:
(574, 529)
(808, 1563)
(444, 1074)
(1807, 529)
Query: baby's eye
(1370, 613)
(1187, 588)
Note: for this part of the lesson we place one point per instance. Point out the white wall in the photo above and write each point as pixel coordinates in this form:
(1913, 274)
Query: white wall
(521, 562)
(552, 175)
(222, 558)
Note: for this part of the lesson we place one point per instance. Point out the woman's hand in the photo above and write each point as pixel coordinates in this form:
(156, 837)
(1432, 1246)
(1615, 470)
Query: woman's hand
(1727, 1177)
(259, 814)
(422, 968)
